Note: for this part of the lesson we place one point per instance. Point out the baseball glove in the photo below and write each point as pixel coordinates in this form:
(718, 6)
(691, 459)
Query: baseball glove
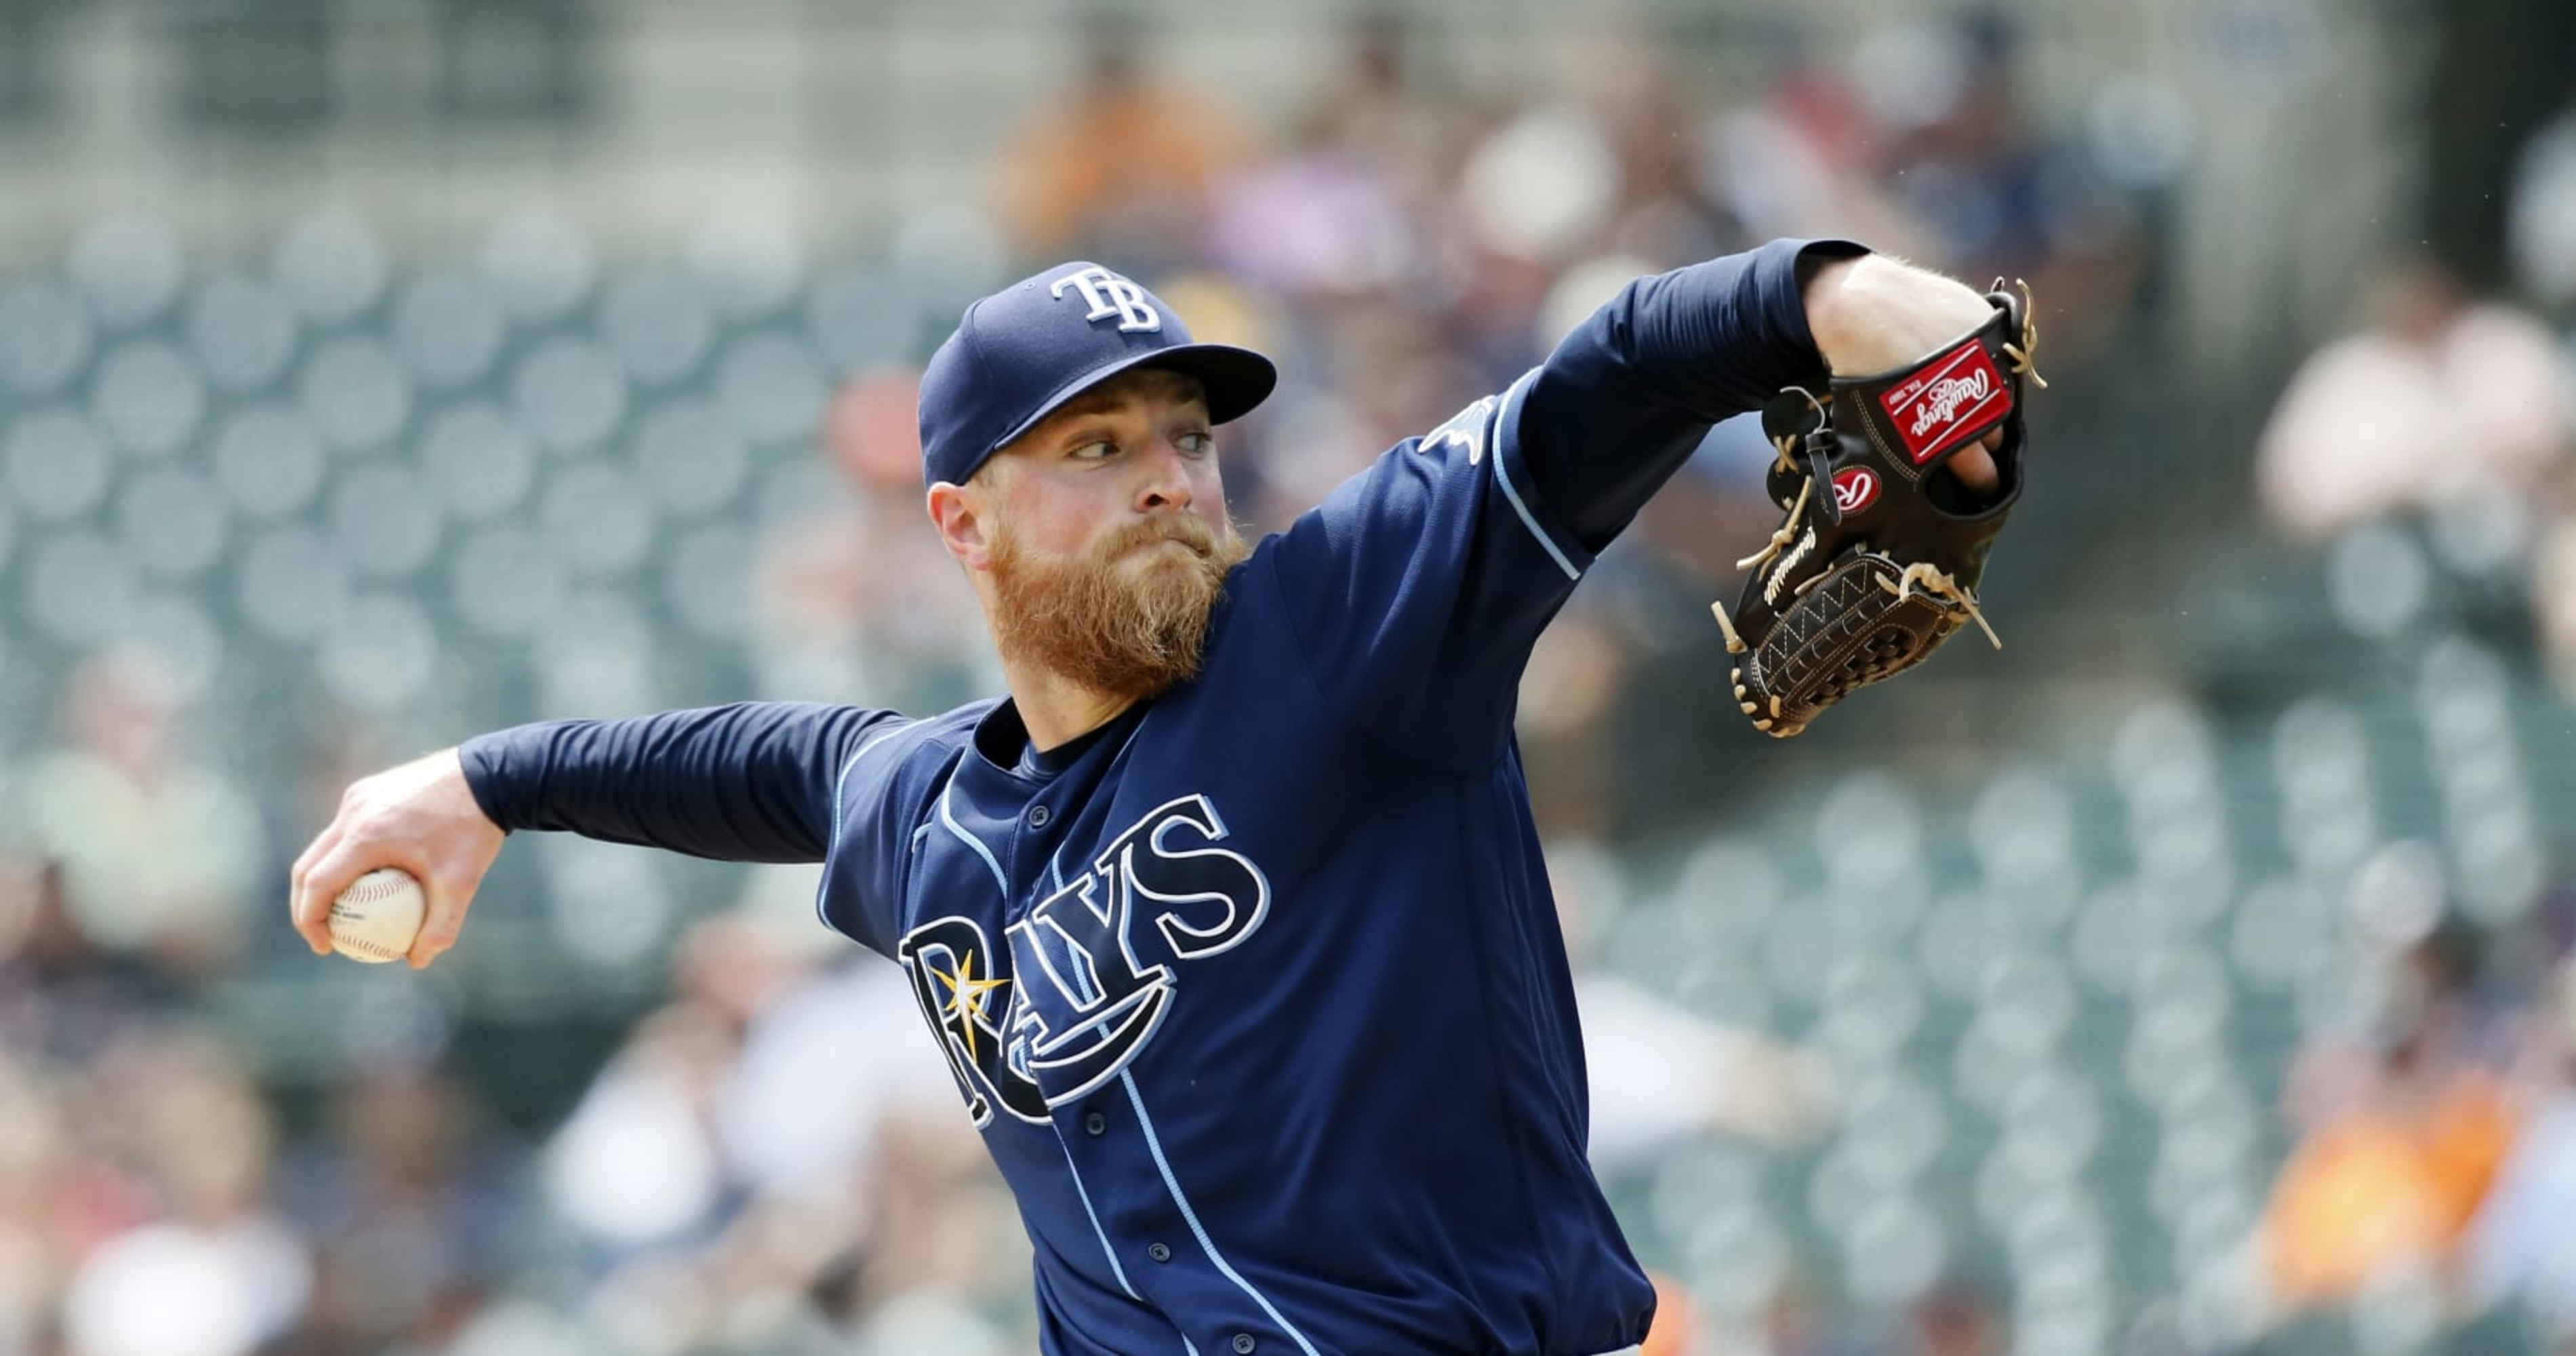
(1881, 553)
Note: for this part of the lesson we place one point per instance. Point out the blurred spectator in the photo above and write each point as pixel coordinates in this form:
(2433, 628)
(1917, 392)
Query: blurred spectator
(1795, 1319)
(211, 1269)
(783, 1117)
(1963, 152)
(833, 1045)
(1664, 211)
(1380, 104)
(61, 997)
(854, 594)
(2523, 1246)
(2554, 597)
(2541, 216)
(2400, 1139)
(1118, 167)
(942, 1219)
(411, 1206)
(2438, 399)
(636, 1166)
(1567, 698)
(1800, 160)
(34, 1248)
(158, 853)
(2552, 582)
(1680, 1328)
(1957, 1316)
(1341, 213)
(1662, 1076)
(637, 1173)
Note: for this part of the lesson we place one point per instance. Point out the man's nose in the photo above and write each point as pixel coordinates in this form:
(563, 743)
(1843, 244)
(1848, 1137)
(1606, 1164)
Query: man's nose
(1166, 482)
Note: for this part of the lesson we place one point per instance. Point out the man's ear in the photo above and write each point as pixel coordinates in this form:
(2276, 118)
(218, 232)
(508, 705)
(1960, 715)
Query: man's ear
(961, 517)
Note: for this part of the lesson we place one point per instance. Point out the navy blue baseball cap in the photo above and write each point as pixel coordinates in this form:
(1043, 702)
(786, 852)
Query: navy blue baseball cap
(1023, 351)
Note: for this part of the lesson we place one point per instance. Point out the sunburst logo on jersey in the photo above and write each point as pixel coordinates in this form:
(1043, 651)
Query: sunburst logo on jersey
(966, 997)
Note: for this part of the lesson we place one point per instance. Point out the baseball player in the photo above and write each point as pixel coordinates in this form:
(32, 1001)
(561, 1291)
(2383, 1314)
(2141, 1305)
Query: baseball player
(1230, 917)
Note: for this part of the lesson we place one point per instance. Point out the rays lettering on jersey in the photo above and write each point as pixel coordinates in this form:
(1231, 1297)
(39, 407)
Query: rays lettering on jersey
(1081, 999)
(1110, 294)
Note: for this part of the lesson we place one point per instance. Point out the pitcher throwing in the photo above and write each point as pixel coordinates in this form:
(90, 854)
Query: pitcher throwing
(1230, 916)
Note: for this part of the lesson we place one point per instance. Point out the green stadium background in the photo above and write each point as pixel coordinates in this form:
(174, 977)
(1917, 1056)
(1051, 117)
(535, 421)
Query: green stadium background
(373, 374)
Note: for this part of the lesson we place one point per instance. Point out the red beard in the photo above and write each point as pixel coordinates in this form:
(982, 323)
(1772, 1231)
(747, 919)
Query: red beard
(1129, 625)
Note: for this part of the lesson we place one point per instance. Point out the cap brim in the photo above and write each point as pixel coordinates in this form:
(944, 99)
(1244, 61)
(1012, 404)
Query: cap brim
(1236, 380)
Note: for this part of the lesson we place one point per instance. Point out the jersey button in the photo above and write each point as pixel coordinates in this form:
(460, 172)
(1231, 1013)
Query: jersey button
(1243, 1344)
(1097, 1125)
(1159, 1252)
(1039, 815)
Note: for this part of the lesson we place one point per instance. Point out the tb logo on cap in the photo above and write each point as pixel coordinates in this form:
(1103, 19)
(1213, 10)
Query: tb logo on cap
(1109, 294)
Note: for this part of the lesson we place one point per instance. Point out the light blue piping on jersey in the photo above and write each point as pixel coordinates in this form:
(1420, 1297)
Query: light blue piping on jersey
(971, 841)
(1503, 424)
(1153, 1143)
(1206, 1245)
(822, 888)
(981, 851)
(1083, 1193)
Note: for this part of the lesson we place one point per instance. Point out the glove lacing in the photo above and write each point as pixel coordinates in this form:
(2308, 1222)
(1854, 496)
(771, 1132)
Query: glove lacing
(1734, 642)
(2020, 353)
(1932, 579)
(1786, 532)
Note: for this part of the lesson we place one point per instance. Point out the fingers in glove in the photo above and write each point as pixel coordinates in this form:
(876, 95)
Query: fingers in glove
(1974, 465)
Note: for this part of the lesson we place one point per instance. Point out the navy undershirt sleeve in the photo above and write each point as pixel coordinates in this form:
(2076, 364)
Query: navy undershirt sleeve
(1417, 588)
(1628, 396)
(751, 782)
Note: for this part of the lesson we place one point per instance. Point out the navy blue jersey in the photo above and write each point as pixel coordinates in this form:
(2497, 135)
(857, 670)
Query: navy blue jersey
(1257, 994)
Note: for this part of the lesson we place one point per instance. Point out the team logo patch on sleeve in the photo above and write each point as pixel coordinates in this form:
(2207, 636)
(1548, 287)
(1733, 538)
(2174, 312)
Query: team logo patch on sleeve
(1956, 393)
(1465, 429)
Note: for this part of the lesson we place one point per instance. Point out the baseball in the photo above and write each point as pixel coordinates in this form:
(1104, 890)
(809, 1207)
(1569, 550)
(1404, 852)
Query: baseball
(376, 919)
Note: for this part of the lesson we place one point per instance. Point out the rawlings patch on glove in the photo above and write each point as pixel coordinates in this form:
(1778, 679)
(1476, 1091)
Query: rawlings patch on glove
(1880, 557)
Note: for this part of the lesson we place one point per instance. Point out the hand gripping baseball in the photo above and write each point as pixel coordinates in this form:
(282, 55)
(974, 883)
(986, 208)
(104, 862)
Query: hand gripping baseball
(420, 817)
(1894, 486)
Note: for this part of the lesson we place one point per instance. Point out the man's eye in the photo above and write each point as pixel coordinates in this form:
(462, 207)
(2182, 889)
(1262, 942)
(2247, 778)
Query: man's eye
(1196, 442)
(1095, 450)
